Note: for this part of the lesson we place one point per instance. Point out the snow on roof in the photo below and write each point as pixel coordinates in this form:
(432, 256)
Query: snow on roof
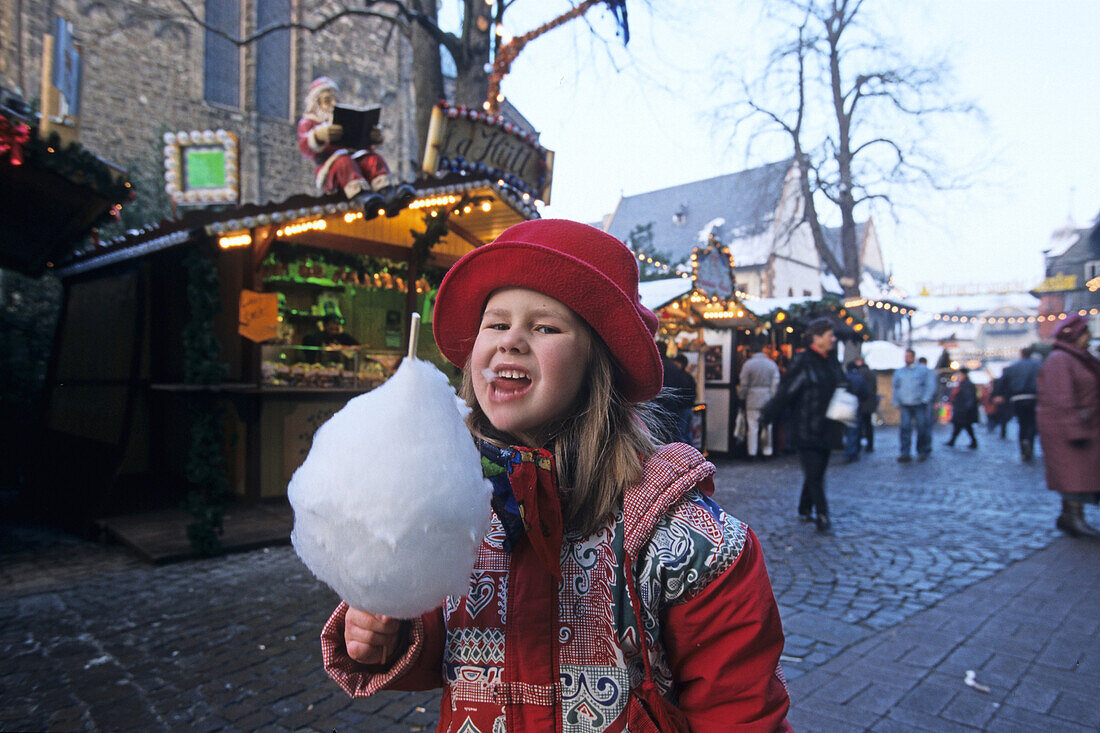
(746, 201)
(883, 355)
(887, 356)
(1064, 238)
(829, 283)
(659, 293)
(764, 306)
(967, 304)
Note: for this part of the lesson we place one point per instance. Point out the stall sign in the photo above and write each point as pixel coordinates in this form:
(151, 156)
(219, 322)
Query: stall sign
(258, 318)
(462, 139)
(713, 274)
(1057, 284)
(200, 167)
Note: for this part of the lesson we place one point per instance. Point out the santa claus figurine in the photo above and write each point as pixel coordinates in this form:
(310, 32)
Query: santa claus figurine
(362, 174)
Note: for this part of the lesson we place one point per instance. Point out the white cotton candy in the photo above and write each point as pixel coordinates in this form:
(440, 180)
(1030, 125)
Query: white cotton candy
(391, 505)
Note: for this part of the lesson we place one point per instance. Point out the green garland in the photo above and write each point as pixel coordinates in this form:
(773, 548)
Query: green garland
(206, 467)
(435, 227)
(800, 314)
(76, 164)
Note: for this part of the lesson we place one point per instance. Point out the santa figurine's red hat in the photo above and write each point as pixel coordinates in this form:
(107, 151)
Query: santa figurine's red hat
(317, 86)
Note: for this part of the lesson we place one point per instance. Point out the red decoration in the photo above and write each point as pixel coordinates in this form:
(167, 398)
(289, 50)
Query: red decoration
(12, 140)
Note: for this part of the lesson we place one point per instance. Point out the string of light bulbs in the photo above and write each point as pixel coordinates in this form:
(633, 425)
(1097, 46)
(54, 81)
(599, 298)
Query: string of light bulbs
(663, 267)
(1047, 318)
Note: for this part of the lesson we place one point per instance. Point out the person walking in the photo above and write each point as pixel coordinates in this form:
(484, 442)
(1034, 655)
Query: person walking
(758, 383)
(914, 387)
(995, 406)
(867, 406)
(857, 385)
(807, 388)
(1020, 387)
(1068, 412)
(964, 408)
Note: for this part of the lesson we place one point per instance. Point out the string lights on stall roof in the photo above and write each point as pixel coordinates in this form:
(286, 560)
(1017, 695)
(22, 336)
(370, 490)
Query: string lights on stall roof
(1048, 318)
(664, 267)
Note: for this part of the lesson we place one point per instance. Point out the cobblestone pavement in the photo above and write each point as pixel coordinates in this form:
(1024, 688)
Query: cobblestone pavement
(92, 640)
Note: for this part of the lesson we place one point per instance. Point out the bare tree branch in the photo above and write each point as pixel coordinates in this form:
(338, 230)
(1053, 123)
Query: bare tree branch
(401, 16)
(859, 117)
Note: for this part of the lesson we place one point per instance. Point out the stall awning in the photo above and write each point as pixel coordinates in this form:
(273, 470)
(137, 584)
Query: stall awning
(675, 300)
(486, 209)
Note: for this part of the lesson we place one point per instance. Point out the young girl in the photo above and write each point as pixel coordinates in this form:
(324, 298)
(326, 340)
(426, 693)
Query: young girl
(610, 593)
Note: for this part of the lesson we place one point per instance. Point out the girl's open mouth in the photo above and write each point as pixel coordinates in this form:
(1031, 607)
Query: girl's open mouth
(508, 383)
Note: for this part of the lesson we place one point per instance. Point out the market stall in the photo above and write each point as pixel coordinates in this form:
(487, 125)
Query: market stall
(228, 307)
(704, 319)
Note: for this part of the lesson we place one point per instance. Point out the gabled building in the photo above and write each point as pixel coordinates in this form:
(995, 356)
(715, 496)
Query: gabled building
(755, 212)
(874, 279)
(1071, 282)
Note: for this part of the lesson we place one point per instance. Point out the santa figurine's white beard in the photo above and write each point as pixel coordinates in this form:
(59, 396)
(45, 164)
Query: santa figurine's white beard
(319, 115)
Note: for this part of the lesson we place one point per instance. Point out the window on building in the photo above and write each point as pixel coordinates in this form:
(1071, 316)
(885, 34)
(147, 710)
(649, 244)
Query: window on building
(273, 59)
(1092, 269)
(221, 57)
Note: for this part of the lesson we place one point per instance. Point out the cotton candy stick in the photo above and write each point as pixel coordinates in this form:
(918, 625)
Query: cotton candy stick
(414, 335)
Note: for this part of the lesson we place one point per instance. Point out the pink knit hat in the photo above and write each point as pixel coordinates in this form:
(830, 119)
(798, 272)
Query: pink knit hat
(586, 269)
(1071, 328)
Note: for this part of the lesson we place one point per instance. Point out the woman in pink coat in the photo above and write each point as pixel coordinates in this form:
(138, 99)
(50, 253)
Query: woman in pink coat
(1068, 413)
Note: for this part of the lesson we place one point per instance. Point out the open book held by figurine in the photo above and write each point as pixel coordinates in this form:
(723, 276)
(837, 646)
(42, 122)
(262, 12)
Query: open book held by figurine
(357, 124)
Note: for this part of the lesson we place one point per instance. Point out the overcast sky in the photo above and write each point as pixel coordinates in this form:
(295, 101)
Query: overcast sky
(623, 122)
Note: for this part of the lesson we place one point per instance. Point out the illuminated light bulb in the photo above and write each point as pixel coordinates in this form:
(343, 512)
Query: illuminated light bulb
(486, 206)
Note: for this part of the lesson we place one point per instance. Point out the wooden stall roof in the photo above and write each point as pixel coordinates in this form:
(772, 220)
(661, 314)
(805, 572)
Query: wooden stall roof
(492, 208)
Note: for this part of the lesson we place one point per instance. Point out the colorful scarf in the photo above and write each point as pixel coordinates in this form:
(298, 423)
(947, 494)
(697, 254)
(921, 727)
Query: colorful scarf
(525, 499)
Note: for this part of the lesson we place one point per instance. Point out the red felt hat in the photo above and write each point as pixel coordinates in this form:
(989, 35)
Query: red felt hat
(586, 269)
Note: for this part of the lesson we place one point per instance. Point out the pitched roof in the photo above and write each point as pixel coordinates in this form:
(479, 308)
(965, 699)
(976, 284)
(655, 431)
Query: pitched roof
(745, 203)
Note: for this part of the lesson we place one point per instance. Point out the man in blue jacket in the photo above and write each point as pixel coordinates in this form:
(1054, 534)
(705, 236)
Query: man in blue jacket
(914, 388)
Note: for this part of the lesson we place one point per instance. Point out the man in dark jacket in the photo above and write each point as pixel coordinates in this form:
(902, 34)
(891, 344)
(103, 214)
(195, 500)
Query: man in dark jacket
(857, 385)
(867, 406)
(964, 408)
(1020, 386)
(677, 398)
(807, 388)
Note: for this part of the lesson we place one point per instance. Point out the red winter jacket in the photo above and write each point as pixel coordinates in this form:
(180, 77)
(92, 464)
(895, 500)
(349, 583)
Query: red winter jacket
(507, 662)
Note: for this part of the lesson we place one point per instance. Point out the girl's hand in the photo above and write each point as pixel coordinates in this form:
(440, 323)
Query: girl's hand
(370, 639)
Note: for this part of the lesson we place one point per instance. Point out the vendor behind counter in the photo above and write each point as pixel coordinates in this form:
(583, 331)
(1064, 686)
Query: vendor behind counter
(331, 335)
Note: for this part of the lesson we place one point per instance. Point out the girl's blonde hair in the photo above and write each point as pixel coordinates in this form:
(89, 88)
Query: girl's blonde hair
(599, 449)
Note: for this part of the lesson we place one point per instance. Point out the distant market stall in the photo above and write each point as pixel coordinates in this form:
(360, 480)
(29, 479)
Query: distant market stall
(706, 320)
